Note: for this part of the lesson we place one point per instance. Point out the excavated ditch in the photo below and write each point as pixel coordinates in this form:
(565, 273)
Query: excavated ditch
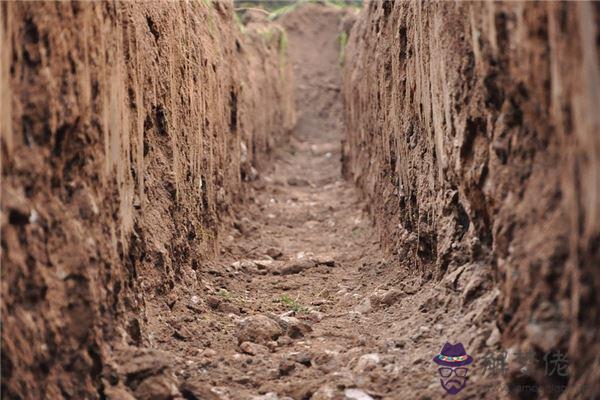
(307, 204)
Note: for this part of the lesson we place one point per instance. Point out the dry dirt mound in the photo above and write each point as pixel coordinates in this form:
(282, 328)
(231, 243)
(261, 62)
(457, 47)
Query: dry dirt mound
(127, 130)
(472, 130)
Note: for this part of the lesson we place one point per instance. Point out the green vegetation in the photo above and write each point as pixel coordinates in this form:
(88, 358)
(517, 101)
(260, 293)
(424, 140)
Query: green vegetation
(277, 8)
(278, 12)
(343, 38)
(224, 293)
(239, 23)
(282, 51)
(292, 304)
(267, 36)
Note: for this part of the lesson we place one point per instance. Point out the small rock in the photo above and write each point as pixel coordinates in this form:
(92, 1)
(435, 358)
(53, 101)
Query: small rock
(209, 353)
(202, 390)
(325, 392)
(478, 283)
(263, 264)
(284, 341)
(326, 259)
(158, 387)
(213, 302)
(494, 338)
(391, 297)
(292, 326)
(296, 328)
(423, 332)
(253, 348)
(139, 363)
(356, 394)
(393, 345)
(228, 308)
(84, 201)
(293, 181)
(258, 329)
(316, 316)
(286, 367)
(245, 266)
(266, 396)
(364, 307)
(253, 174)
(34, 216)
(326, 357)
(367, 362)
(296, 267)
(244, 226)
(274, 253)
(117, 393)
(301, 358)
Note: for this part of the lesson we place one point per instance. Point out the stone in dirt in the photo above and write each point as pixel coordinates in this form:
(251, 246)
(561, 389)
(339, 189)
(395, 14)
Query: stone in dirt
(367, 362)
(286, 367)
(364, 307)
(301, 358)
(325, 259)
(228, 308)
(385, 299)
(213, 302)
(296, 328)
(137, 364)
(199, 390)
(274, 253)
(326, 392)
(293, 181)
(117, 393)
(258, 329)
(253, 348)
(245, 266)
(160, 387)
(296, 267)
(356, 394)
(267, 396)
(292, 326)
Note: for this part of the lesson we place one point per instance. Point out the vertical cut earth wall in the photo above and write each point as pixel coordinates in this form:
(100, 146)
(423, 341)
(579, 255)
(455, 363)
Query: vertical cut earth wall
(473, 129)
(127, 130)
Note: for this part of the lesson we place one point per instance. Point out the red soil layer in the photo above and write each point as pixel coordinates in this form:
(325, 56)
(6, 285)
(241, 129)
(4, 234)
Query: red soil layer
(127, 130)
(473, 131)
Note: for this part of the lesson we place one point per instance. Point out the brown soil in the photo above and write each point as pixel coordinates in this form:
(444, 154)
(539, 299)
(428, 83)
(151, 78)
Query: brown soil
(127, 130)
(164, 236)
(473, 138)
(305, 248)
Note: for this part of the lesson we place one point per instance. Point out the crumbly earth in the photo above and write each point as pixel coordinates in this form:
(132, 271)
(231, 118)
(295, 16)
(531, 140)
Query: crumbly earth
(164, 238)
(301, 303)
(126, 131)
(471, 130)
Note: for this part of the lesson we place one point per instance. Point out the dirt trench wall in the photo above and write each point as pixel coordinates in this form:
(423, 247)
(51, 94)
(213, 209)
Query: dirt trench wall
(473, 129)
(127, 130)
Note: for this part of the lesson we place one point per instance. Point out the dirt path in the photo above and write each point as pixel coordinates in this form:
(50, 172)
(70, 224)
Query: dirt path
(302, 301)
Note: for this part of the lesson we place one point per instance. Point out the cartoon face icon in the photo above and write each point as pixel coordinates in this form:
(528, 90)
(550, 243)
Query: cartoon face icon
(453, 372)
(453, 380)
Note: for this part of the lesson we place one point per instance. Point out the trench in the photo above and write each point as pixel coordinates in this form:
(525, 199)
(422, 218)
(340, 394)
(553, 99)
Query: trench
(208, 200)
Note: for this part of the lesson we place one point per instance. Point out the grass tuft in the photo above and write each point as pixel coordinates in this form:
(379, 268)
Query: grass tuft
(282, 51)
(343, 38)
(293, 304)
